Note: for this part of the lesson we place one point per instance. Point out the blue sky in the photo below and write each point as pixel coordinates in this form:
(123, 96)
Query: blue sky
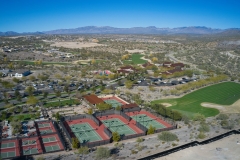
(44, 15)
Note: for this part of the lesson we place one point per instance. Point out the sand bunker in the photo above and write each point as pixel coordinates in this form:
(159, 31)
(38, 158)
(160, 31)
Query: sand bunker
(166, 104)
(76, 44)
(135, 50)
(234, 108)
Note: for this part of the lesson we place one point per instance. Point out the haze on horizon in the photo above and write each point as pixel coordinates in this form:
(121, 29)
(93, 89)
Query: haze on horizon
(31, 16)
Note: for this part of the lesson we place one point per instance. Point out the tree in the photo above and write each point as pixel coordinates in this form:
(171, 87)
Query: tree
(151, 130)
(116, 136)
(32, 100)
(57, 116)
(16, 93)
(58, 94)
(90, 111)
(167, 136)
(154, 59)
(118, 108)
(32, 78)
(24, 79)
(103, 106)
(10, 65)
(102, 153)
(128, 84)
(66, 88)
(45, 94)
(15, 80)
(75, 143)
(30, 90)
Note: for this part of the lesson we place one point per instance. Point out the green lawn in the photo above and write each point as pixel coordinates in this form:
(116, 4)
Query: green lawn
(45, 63)
(135, 59)
(17, 116)
(61, 103)
(224, 93)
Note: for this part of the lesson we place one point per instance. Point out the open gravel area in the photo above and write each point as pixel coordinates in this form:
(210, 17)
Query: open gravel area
(224, 149)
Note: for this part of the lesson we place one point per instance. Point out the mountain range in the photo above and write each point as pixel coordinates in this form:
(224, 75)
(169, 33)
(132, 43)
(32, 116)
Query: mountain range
(135, 30)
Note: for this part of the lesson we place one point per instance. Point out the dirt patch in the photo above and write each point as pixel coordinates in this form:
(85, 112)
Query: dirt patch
(234, 108)
(226, 148)
(81, 61)
(135, 50)
(166, 104)
(76, 44)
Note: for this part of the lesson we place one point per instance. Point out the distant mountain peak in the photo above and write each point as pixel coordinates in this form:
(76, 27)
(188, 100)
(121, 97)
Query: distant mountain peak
(133, 30)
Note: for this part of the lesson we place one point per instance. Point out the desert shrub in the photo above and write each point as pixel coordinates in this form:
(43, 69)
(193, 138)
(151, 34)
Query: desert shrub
(227, 124)
(102, 153)
(139, 140)
(222, 117)
(204, 128)
(185, 119)
(134, 152)
(201, 135)
(174, 144)
(140, 148)
(224, 123)
(167, 136)
(199, 117)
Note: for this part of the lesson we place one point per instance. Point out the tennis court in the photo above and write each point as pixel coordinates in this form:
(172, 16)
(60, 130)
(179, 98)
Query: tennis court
(28, 142)
(45, 131)
(146, 121)
(8, 154)
(49, 139)
(8, 145)
(113, 102)
(85, 133)
(116, 125)
(52, 148)
(43, 125)
(29, 151)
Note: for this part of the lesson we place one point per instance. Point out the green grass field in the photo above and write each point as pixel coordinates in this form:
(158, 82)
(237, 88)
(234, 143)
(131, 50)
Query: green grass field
(44, 63)
(135, 59)
(61, 103)
(224, 94)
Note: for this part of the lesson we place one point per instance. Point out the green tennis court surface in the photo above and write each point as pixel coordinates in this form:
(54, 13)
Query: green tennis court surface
(146, 121)
(30, 151)
(28, 142)
(85, 133)
(116, 125)
(8, 154)
(43, 125)
(45, 131)
(113, 102)
(52, 148)
(8, 145)
(49, 139)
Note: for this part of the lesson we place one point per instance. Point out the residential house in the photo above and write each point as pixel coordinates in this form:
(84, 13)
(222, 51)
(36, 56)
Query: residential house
(20, 73)
(167, 64)
(147, 64)
(93, 99)
(4, 72)
(126, 70)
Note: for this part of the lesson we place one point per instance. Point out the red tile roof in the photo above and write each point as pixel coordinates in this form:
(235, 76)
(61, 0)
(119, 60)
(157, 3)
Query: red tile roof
(130, 105)
(93, 99)
(177, 65)
(147, 64)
